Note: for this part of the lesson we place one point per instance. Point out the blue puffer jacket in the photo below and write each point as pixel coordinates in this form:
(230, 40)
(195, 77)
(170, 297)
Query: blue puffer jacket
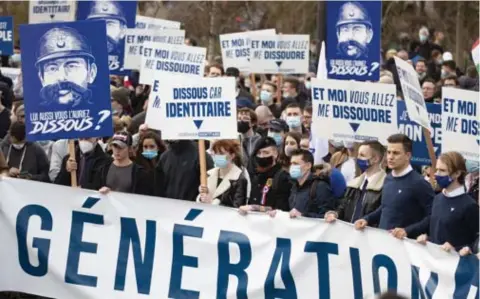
(314, 198)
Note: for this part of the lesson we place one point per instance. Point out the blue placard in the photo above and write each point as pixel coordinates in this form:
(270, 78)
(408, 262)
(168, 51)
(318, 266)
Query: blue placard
(353, 40)
(65, 74)
(6, 35)
(119, 15)
(415, 132)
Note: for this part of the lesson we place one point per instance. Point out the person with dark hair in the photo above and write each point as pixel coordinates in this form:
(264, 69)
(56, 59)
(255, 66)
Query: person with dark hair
(122, 174)
(364, 193)
(294, 115)
(25, 160)
(307, 119)
(277, 130)
(455, 215)
(215, 70)
(449, 67)
(450, 81)
(246, 119)
(268, 96)
(150, 148)
(290, 143)
(5, 121)
(311, 196)
(89, 158)
(291, 93)
(421, 69)
(228, 183)
(270, 183)
(428, 90)
(390, 295)
(406, 196)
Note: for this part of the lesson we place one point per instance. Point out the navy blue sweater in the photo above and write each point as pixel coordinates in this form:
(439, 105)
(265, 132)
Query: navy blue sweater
(454, 220)
(406, 203)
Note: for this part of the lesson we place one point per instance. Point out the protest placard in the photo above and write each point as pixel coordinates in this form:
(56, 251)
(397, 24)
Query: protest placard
(279, 54)
(51, 11)
(6, 36)
(135, 38)
(169, 59)
(197, 108)
(460, 122)
(61, 242)
(236, 48)
(353, 111)
(118, 16)
(412, 93)
(143, 22)
(354, 40)
(65, 73)
(413, 130)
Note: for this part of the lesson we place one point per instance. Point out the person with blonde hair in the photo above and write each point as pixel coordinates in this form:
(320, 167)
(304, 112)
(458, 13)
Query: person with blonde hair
(455, 215)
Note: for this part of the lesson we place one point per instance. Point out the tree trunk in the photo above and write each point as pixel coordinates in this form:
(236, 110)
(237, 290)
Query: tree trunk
(212, 31)
(458, 35)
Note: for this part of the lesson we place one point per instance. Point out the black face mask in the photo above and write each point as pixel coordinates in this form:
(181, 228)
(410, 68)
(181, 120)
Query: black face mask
(262, 131)
(243, 126)
(264, 161)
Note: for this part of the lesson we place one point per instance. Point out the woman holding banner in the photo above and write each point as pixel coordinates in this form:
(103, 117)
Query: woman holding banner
(228, 183)
(455, 215)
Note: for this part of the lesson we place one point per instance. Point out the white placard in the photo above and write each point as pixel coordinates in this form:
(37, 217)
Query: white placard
(412, 93)
(236, 48)
(280, 54)
(142, 22)
(193, 108)
(353, 111)
(165, 59)
(135, 38)
(11, 72)
(51, 11)
(127, 246)
(460, 122)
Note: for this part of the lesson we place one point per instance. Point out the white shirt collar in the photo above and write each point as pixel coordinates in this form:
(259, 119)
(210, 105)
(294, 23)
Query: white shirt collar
(455, 192)
(403, 173)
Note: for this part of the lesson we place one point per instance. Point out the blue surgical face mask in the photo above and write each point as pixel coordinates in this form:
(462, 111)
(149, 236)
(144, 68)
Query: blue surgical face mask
(276, 136)
(295, 172)
(294, 121)
(423, 38)
(265, 96)
(220, 161)
(363, 164)
(472, 166)
(443, 180)
(286, 95)
(149, 154)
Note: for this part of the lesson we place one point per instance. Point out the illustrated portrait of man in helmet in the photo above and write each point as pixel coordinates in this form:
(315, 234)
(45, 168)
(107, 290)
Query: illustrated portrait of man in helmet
(111, 12)
(66, 67)
(354, 30)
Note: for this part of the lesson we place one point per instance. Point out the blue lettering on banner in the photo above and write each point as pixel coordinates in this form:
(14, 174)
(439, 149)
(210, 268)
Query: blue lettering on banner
(356, 273)
(383, 261)
(181, 260)
(6, 36)
(282, 254)
(143, 261)
(430, 287)
(459, 124)
(42, 245)
(226, 268)
(353, 40)
(77, 246)
(414, 131)
(322, 249)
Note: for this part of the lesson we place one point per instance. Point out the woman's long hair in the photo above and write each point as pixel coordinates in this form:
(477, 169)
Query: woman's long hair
(283, 159)
(140, 159)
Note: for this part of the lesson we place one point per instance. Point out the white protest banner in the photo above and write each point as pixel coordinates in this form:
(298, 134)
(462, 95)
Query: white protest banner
(127, 246)
(236, 48)
(142, 22)
(412, 93)
(10, 72)
(279, 54)
(353, 111)
(134, 39)
(167, 59)
(460, 122)
(51, 11)
(195, 108)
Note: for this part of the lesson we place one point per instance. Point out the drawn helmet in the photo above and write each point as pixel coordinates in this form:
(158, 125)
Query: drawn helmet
(62, 42)
(353, 13)
(106, 10)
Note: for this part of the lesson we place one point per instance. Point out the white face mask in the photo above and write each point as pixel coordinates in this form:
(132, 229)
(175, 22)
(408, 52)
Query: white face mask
(85, 146)
(18, 146)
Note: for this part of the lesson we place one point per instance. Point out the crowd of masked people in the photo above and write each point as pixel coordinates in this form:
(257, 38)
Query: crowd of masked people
(275, 165)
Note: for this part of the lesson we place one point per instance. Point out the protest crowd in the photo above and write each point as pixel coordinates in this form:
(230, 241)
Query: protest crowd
(278, 163)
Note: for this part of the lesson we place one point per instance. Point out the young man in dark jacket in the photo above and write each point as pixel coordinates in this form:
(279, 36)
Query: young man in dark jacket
(122, 174)
(364, 193)
(270, 183)
(311, 196)
(89, 159)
